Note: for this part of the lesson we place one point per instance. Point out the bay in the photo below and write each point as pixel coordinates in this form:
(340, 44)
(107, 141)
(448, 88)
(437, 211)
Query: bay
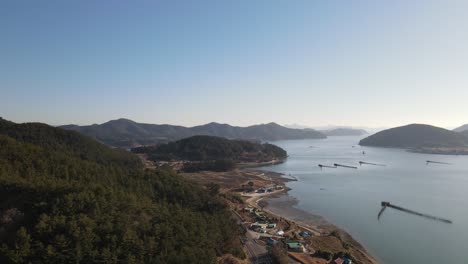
(350, 198)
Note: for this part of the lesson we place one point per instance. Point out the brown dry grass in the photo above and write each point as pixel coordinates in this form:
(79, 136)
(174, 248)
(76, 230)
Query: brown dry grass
(230, 259)
(235, 178)
(327, 243)
(306, 259)
(342, 243)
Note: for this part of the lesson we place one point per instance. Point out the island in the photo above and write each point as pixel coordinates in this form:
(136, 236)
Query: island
(464, 133)
(420, 138)
(463, 128)
(211, 153)
(343, 131)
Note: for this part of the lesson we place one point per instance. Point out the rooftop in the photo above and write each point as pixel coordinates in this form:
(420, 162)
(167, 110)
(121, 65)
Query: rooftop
(294, 244)
(338, 261)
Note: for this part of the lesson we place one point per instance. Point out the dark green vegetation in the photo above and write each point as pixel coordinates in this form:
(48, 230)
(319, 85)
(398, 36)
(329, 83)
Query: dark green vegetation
(416, 136)
(206, 149)
(344, 132)
(126, 133)
(211, 165)
(65, 198)
(209, 153)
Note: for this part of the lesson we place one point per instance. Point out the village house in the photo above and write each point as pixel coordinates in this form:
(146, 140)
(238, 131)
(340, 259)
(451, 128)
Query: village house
(343, 261)
(295, 246)
(249, 209)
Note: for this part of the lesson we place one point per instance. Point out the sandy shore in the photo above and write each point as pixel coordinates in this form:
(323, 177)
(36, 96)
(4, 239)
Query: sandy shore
(286, 211)
(281, 204)
(284, 205)
(260, 164)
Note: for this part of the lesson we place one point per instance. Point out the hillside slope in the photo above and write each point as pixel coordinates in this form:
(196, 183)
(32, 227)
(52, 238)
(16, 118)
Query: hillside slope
(461, 128)
(203, 148)
(343, 132)
(416, 136)
(65, 198)
(126, 133)
(464, 133)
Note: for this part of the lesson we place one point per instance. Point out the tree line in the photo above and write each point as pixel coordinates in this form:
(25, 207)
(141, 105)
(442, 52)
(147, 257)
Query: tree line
(212, 153)
(65, 198)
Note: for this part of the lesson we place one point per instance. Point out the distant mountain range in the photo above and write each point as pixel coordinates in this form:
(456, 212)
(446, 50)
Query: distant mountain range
(127, 133)
(462, 128)
(344, 132)
(420, 138)
(464, 132)
(333, 130)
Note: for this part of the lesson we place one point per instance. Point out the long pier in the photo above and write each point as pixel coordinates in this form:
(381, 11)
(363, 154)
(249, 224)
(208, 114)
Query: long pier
(344, 166)
(369, 163)
(437, 162)
(326, 166)
(388, 204)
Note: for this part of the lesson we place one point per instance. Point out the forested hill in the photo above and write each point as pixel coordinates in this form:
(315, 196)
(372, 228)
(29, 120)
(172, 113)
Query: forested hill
(464, 133)
(127, 133)
(344, 132)
(69, 142)
(463, 128)
(65, 198)
(416, 136)
(206, 148)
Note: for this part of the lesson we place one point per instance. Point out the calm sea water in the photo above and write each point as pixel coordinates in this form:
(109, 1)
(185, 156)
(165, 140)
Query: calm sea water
(351, 198)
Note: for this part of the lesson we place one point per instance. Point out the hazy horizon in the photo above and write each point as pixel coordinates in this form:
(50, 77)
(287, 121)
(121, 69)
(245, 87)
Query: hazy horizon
(313, 63)
(370, 129)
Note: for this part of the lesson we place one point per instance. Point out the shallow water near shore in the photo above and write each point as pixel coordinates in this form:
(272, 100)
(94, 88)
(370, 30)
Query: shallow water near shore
(285, 205)
(350, 198)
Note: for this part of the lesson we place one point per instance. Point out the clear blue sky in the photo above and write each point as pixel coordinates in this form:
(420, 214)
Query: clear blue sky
(365, 63)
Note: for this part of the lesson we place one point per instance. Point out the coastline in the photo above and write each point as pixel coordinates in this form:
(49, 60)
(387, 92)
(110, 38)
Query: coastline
(463, 151)
(248, 165)
(281, 204)
(449, 151)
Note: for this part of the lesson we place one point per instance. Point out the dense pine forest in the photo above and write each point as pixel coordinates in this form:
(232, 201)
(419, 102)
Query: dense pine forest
(65, 198)
(207, 148)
